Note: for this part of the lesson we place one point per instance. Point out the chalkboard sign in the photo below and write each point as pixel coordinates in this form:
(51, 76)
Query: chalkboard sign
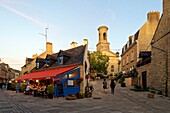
(60, 88)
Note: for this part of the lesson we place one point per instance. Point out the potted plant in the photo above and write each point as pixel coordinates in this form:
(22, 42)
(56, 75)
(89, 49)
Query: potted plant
(23, 87)
(13, 84)
(121, 81)
(50, 91)
(79, 95)
(71, 97)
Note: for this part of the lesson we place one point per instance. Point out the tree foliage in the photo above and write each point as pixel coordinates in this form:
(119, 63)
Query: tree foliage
(99, 62)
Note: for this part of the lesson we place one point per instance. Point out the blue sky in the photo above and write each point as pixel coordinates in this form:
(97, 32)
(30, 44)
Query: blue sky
(21, 21)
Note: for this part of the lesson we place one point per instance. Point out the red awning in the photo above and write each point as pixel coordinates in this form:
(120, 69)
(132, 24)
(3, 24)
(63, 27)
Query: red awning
(45, 74)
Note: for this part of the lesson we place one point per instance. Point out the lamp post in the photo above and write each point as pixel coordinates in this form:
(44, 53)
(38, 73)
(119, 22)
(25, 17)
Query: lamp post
(166, 77)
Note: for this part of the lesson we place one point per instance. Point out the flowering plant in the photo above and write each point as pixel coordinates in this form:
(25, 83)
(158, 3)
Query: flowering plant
(80, 80)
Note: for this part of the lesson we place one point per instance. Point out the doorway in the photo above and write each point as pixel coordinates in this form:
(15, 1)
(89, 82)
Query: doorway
(144, 80)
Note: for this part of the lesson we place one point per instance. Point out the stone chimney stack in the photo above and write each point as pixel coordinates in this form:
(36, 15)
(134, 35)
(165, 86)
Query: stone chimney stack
(73, 45)
(153, 16)
(49, 47)
(166, 7)
(85, 41)
(34, 56)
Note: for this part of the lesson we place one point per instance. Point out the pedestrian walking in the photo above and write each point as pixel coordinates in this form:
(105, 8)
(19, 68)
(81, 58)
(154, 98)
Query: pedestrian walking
(112, 85)
(17, 87)
(105, 86)
(91, 88)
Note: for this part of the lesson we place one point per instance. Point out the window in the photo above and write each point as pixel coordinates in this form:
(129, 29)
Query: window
(37, 65)
(48, 62)
(70, 82)
(125, 47)
(104, 36)
(132, 56)
(60, 60)
(130, 42)
(112, 68)
(123, 50)
(72, 75)
(127, 59)
(85, 67)
(64, 77)
(123, 62)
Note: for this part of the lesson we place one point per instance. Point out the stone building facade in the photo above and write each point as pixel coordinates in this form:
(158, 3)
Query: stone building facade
(138, 43)
(30, 63)
(7, 74)
(160, 64)
(104, 47)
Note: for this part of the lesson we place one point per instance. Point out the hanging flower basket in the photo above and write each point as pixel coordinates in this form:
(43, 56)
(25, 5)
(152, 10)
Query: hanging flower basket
(79, 80)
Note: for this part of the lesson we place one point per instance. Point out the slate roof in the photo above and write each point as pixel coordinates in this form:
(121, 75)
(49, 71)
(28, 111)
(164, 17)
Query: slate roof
(74, 56)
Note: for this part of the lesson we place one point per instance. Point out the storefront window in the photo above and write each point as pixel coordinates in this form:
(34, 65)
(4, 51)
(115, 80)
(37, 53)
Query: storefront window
(72, 75)
(64, 77)
(70, 82)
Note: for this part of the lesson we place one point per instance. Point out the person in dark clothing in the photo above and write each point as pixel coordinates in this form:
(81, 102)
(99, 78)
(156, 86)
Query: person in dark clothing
(91, 88)
(105, 85)
(112, 86)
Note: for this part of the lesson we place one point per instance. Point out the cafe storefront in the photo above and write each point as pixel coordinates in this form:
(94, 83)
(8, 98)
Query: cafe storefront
(67, 83)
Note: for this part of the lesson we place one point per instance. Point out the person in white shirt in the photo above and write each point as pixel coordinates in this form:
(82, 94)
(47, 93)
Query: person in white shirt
(28, 87)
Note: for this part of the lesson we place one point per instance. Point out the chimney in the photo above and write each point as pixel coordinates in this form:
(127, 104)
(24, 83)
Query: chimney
(34, 56)
(85, 41)
(117, 54)
(73, 44)
(153, 15)
(49, 47)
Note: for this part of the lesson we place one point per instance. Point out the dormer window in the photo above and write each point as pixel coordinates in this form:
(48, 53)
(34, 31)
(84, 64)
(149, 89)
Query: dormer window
(60, 60)
(130, 42)
(47, 62)
(37, 65)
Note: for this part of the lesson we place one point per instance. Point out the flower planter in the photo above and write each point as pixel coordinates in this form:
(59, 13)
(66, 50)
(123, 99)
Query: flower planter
(80, 95)
(50, 96)
(88, 94)
(123, 85)
(150, 95)
(71, 97)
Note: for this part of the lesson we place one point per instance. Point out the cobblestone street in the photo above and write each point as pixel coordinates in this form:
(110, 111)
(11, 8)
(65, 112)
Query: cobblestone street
(123, 101)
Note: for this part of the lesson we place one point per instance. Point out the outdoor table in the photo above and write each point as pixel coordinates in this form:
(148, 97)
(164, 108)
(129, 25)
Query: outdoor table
(35, 92)
(41, 92)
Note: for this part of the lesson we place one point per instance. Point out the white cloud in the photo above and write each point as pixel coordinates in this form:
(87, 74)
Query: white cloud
(42, 25)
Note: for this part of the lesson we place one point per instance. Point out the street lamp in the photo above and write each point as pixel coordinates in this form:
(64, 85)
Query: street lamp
(166, 79)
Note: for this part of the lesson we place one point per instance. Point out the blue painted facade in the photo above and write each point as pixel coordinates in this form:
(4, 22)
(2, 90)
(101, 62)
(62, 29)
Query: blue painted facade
(67, 83)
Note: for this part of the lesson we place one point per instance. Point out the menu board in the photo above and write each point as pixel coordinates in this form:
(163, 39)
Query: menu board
(60, 88)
